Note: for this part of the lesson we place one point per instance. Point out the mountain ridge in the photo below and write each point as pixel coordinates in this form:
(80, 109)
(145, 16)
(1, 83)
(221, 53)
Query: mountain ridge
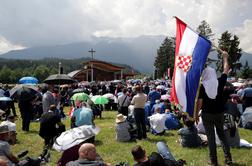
(137, 52)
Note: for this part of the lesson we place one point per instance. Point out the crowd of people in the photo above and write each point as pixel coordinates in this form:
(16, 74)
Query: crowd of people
(141, 107)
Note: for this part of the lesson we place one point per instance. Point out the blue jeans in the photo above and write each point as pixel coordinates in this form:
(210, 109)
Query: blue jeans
(164, 151)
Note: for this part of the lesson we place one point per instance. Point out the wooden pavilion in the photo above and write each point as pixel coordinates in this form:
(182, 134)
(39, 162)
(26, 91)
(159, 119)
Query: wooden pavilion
(95, 70)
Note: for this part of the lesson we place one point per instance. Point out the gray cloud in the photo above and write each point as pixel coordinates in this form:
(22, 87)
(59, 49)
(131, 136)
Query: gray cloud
(45, 22)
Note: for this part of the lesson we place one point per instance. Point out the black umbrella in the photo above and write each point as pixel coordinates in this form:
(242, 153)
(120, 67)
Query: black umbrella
(23, 93)
(59, 79)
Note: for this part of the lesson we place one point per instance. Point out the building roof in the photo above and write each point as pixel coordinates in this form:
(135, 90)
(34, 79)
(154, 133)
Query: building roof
(104, 65)
(73, 73)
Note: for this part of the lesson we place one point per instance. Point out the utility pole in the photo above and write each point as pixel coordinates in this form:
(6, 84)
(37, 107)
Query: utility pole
(59, 67)
(92, 70)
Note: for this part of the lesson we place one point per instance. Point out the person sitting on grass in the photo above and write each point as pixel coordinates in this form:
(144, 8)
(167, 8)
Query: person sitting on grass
(10, 122)
(12, 159)
(88, 156)
(3, 161)
(189, 134)
(82, 116)
(162, 158)
(72, 153)
(157, 122)
(171, 122)
(123, 129)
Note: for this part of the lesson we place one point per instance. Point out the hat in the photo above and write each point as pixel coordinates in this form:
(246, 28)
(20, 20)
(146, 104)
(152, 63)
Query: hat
(120, 118)
(4, 129)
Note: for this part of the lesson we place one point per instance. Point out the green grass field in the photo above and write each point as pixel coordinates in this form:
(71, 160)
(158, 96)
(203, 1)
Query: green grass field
(114, 152)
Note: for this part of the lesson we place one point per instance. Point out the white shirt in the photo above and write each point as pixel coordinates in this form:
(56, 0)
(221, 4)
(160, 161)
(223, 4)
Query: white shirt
(157, 122)
(139, 100)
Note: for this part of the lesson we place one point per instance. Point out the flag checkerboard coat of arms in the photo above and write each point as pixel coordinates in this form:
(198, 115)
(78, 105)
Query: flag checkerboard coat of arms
(190, 56)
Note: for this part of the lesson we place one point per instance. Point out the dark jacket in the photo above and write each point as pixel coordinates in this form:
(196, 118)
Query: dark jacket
(48, 125)
(85, 162)
(155, 159)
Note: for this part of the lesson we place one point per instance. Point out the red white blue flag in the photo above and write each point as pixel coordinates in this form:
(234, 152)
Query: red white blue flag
(190, 56)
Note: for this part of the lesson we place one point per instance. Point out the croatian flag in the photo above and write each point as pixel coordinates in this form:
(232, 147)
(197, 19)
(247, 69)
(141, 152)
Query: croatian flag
(190, 56)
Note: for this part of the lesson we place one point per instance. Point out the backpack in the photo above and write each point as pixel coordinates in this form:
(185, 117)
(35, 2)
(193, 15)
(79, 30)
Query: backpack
(229, 121)
(230, 124)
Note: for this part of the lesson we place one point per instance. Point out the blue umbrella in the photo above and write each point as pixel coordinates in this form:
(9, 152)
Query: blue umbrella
(28, 80)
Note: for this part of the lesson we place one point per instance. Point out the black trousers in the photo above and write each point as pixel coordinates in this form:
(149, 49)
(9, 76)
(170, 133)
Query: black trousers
(139, 115)
(123, 110)
(211, 121)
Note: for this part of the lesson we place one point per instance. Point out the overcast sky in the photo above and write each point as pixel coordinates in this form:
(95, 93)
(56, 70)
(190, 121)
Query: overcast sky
(28, 23)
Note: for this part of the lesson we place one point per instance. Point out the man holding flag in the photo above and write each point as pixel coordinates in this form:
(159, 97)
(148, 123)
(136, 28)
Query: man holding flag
(211, 102)
(190, 56)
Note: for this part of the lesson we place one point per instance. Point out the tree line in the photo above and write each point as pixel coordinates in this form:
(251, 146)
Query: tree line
(12, 70)
(227, 42)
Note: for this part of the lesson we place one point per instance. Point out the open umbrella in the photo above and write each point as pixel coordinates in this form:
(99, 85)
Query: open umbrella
(28, 80)
(59, 79)
(165, 97)
(160, 87)
(5, 99)
(23, 92)
(78, 90)
(119, 93)
(99, 99)
(237, 84)
(109, 96)
(81, 96)
(75, 136)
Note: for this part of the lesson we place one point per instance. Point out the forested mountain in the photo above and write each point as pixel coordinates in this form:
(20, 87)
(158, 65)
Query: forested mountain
(138, 52)
(12, 70)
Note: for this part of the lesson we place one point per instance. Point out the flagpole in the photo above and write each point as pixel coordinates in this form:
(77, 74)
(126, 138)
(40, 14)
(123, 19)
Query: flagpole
(217, 48)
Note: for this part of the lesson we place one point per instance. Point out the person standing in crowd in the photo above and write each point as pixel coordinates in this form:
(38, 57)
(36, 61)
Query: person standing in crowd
(123, 103)
(10, 104)
(146, 88)
(153, 96)
(47, 99)
(211, 102)
(26, 108)
(139, 102)
(1, 90)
